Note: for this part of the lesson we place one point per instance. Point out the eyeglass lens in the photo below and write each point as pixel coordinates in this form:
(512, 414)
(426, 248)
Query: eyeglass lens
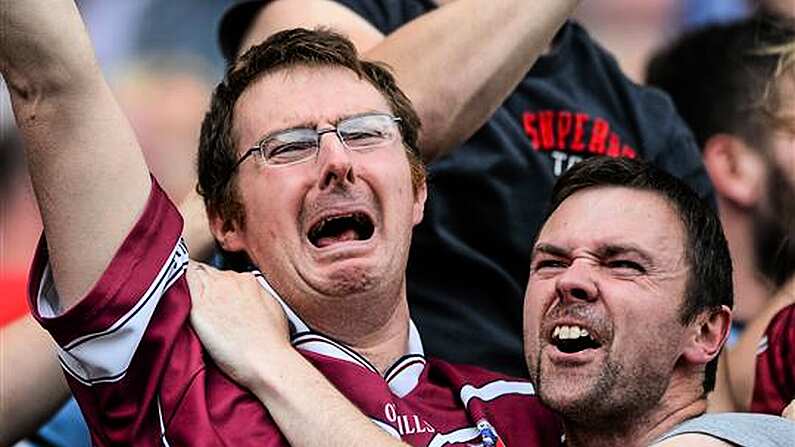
(356, 133)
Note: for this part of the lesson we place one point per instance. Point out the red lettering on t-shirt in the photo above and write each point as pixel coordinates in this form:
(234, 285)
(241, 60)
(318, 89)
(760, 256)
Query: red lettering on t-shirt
(628, 152)
(564, 127)
(599, 133)
(614, 148)
(547, 129)
(529, 119)
(577, 144)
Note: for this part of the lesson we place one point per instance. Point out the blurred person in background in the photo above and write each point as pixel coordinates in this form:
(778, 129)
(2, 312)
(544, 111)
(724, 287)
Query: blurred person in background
(735, 86)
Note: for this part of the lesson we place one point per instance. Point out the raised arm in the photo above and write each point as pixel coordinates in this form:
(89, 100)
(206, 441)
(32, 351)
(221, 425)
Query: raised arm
(88, 172)
(245, 332)
(457, 63)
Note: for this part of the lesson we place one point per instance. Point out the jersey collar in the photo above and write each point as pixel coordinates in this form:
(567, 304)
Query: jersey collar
(402, 377)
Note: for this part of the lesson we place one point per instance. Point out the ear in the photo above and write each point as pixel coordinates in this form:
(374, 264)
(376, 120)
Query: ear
(227, 233)
(737, 170)
(420, 195)
(708, 334)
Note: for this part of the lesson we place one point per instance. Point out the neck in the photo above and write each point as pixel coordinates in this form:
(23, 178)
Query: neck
(375, 326)
(751, 288)
(682, 401)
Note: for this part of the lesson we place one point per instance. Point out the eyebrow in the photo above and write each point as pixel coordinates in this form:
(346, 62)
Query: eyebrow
(612, 250)
(549, 249)
(313, 125)
(604, 251)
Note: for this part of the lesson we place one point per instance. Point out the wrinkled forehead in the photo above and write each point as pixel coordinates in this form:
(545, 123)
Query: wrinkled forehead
(302, 96)
(604, 216)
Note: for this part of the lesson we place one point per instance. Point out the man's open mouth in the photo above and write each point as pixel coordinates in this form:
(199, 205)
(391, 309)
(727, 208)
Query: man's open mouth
(355, 226)
(571, 339)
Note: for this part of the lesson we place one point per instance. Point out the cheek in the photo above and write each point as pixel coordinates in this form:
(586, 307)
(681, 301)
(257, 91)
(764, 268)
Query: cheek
(271, 205)
(784, 156)
(532, 309)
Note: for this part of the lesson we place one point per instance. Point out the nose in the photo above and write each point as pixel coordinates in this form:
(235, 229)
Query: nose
(336, 165)
(576, 283)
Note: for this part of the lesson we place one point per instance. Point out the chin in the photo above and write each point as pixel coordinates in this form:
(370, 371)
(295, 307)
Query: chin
(349, 280)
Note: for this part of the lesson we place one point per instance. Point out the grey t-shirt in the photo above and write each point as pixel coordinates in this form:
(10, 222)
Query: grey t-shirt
(742, 429)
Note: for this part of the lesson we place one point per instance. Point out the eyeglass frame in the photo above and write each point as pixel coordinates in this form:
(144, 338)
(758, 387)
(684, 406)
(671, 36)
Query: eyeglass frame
(319, 132)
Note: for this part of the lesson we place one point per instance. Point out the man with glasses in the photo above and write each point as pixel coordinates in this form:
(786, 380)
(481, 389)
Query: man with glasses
(308, 164)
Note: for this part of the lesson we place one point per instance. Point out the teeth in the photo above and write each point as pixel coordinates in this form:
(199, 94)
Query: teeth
(569, 332)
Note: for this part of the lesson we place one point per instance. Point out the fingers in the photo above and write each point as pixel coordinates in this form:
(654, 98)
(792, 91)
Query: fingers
(789, 411)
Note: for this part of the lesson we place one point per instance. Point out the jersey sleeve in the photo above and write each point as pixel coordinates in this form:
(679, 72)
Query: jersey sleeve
(114, 344)
(774, 386)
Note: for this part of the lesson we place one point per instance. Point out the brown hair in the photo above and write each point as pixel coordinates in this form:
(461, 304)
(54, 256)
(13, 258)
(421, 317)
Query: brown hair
(726, 78)
(284, 50)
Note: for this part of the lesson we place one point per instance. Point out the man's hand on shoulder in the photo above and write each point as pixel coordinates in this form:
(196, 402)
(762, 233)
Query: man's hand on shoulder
(789, 411)
(241, 325)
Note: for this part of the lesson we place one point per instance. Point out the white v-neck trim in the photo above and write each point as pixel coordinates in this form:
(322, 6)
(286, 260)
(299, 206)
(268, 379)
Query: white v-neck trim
(402, 377)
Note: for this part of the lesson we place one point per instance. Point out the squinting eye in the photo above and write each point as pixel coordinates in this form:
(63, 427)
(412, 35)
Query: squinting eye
(286, 150)
(364, 137)
(625, 264)
(548, 264)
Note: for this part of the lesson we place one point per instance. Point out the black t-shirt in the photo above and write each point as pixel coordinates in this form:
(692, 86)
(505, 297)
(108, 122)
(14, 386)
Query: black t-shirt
(470, 256)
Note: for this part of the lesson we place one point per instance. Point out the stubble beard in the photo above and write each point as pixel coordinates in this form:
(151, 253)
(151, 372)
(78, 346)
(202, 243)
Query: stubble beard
(620, 397)
(774, 228)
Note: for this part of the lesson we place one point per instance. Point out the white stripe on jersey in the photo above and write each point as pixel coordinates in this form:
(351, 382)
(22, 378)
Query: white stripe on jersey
(386, 427)
(162, 424)
(105, 356)
(494, 390)
(454, 437)
(762, 346)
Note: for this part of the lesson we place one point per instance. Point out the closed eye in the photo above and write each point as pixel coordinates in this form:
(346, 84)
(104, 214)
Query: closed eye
(549, 264)
(624, 264)
(290, 148)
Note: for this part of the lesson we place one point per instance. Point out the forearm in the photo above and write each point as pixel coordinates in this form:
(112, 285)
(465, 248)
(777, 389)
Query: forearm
(460, 62)
(44, 48)
(32, 386)
(309, 410)
(87, 170)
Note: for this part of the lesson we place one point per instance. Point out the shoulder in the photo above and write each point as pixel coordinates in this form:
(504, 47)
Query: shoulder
(476, 382)
(744, 429)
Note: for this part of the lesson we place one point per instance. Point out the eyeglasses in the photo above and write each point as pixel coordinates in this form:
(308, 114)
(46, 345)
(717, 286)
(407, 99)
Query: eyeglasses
(358, 133)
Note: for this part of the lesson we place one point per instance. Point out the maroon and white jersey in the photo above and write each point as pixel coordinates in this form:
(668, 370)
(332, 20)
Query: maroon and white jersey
(774, 387)
(142, 378)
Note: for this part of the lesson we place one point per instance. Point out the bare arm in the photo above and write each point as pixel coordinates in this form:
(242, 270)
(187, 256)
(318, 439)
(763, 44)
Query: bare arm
(245, 331)
(88, 173)
(32, 386)
(197, 228)
(741, 359)
(457, 63)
